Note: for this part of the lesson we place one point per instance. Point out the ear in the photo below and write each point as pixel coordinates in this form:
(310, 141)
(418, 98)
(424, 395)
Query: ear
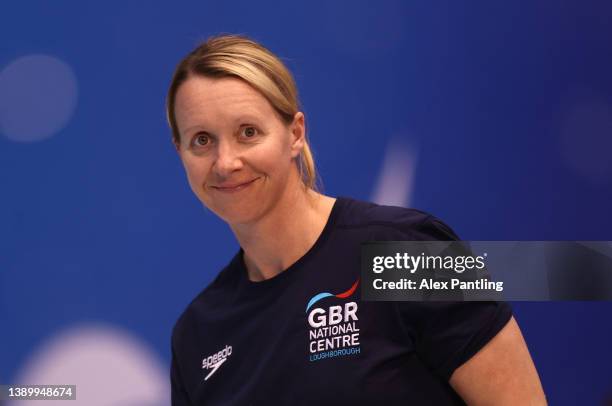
(298, 134)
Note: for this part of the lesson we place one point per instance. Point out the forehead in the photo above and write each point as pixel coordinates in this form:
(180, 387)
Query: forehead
(207, 101)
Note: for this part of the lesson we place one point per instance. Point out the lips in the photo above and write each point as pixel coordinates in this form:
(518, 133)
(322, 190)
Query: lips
(233, 187)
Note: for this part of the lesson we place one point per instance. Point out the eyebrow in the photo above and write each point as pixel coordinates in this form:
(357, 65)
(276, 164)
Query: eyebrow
(195, 127)
(246, 117)
(243, 117)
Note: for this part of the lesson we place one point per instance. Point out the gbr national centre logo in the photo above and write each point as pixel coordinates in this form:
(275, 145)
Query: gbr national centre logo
(333, 327)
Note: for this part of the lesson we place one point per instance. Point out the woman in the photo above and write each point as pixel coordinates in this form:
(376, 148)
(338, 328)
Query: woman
(246, 338)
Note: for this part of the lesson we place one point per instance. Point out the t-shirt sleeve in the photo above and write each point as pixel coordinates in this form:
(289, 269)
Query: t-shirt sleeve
(447, 334)
(177, 390)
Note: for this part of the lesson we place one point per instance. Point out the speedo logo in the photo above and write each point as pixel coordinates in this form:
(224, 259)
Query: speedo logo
(213, 362)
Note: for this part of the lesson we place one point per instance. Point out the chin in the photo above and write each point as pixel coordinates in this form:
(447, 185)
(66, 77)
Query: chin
(236, 213)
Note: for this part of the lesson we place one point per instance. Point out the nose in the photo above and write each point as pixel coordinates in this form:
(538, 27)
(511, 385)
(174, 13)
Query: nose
(228, 159)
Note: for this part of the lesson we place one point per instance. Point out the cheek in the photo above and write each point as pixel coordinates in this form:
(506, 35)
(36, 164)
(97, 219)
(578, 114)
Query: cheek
(270, 160)
(273, 156)
(196, 171)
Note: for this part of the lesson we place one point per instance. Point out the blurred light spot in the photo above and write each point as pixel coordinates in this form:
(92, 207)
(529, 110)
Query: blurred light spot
(108, 366)
(38, 95)
(396, 179)
(586, 138)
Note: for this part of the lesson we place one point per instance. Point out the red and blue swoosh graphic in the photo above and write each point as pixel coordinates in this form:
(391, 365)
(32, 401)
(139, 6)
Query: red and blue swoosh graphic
(342, 295)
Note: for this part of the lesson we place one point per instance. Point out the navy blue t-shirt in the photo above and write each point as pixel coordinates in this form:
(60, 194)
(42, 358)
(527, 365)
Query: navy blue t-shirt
(304, 337)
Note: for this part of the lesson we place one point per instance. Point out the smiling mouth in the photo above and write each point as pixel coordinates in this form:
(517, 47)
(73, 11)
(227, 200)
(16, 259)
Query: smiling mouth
(235, 187)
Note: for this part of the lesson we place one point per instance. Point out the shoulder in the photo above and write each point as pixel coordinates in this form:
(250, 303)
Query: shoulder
(401, 222)
(209, 301)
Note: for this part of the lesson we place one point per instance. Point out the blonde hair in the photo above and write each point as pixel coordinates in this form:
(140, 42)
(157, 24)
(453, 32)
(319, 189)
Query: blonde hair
(241, 57)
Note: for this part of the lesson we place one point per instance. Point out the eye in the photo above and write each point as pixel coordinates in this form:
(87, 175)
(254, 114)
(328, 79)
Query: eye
(201, 140)
(249, 131)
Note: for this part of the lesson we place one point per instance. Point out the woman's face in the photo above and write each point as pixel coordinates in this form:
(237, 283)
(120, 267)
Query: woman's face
(236, 150)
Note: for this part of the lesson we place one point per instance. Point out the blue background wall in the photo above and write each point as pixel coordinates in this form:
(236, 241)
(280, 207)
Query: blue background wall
(502, 114)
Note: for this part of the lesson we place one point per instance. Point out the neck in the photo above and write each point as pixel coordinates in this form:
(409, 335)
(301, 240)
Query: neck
(285, 234)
